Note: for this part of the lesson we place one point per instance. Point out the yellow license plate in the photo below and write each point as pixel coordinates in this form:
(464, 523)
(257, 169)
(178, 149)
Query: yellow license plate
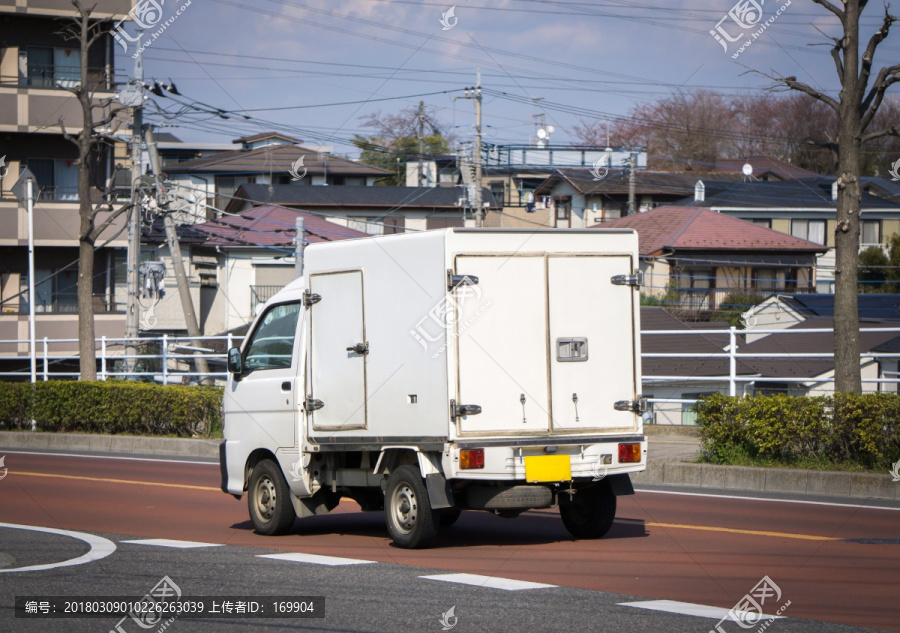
(548, 468)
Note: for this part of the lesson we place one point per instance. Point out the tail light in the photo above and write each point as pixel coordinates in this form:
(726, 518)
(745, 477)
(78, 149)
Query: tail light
(471, 458)
(629, 453)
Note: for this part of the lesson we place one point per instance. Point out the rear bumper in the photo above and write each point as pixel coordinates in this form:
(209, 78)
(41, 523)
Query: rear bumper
(590, 459)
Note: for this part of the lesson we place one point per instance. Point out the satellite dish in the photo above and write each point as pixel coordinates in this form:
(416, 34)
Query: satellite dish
(542, 133)
(747, 169)
(550, 129)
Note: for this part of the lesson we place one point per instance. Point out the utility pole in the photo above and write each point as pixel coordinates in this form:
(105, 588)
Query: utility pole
(184, 291)
(421, 180)
(132, 316)
(479, 208)
(475, 200)
(632, 163)
(299, 246)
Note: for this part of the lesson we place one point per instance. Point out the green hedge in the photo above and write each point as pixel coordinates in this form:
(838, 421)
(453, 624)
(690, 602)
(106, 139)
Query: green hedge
(112, 407)
(844, 428)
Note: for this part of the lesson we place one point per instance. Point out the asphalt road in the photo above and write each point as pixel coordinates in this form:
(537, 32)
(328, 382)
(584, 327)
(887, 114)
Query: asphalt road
(837, 565)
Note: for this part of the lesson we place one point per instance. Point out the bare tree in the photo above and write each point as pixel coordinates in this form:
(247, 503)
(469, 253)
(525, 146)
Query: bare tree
(94, 217)
(856, 108)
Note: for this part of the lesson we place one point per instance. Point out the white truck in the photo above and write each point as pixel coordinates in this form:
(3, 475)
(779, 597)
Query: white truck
(429, 373)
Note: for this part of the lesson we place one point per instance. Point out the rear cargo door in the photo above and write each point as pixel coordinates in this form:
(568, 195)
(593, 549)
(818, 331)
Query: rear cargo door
(338, 350)
(501, 337)
(592, 342)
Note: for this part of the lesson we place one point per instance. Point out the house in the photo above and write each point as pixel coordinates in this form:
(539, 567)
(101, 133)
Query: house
(233, 264)
(581, 197)
(784, 310)
(373, 210)
(268, 158)
(803, 208)
(685, 378)
(694, 258)
(36, 65)
(786, 375)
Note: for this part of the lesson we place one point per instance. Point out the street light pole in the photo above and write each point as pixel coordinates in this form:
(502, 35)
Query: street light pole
(29, 195)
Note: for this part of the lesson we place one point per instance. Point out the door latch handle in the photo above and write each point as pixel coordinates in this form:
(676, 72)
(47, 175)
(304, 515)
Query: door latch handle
(286, 385)
(359, 348)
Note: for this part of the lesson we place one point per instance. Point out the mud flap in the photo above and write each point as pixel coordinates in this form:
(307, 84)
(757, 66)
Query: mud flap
(439, 493)
(621, 485)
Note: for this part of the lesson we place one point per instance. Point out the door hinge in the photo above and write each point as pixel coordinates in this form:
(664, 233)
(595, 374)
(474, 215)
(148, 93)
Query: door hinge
(460, 410)
(312, 404)
(635, 406)
(454, 281)
(360, 348)
(310, 298)
(636, 280)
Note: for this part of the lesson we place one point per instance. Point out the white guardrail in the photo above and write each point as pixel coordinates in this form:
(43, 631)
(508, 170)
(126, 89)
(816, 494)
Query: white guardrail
(169, 360)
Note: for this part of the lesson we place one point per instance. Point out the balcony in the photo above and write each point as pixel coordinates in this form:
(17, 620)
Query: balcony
(58, 304)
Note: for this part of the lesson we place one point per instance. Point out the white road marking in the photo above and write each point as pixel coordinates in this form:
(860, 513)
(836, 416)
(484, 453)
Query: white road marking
(488, 581)
(737, 498)
(697, 610)
(165, 542)
(100, 548)
(315, 559)
(132, 459)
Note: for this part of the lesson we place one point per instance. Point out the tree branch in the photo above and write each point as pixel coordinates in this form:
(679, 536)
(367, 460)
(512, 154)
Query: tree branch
(887, 77)
(869, 55)
(98, 230)
(893, 130)
(835, 10)
(791, 83)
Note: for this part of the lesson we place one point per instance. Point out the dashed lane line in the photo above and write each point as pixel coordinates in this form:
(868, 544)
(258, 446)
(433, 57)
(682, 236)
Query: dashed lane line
(697, 610)
(165, 542)
(490, 582)
(315, 559)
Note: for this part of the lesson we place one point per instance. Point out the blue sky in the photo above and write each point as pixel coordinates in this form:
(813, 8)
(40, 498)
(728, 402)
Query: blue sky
(587, 60)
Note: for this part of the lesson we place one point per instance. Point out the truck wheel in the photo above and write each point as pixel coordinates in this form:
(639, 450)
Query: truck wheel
(449, 517)
(410, 520)
(590, 514)
(269, 499)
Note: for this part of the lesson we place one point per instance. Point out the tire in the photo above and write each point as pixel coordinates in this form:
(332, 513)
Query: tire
(449, 517)
(269, 499)
(591, 513)
(410, 520)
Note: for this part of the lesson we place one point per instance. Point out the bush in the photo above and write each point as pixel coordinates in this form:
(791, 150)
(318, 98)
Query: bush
(112, 407)
(849, 429)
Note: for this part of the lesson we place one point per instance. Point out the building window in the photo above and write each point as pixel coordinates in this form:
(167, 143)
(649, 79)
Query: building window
(57, 177)
(870, 232)
(50, 67)
(812, 230)
(563, 209)
(765, 223)
(497, 190)
(765, 279)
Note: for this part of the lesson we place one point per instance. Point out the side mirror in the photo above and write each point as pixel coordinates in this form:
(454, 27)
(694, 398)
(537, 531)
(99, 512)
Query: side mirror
(235, 365)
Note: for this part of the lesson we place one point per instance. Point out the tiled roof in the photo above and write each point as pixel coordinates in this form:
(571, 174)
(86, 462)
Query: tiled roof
(653, 318)
(689, 228)
(647, 182)
(277, 159)
(442, 198)
(271, 226)
(806, 193)
(870, 305)
(763, 165)
(794, 342)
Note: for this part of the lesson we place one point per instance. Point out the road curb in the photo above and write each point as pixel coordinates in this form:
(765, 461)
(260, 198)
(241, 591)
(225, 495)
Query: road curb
(129, 444)
(666, 473)
(812, 482)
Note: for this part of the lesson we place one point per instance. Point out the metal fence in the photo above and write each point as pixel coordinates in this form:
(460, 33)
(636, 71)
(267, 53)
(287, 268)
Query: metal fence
(170, 360)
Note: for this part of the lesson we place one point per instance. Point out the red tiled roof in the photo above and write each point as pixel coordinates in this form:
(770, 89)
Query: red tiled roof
(694, 228)
(272, 226)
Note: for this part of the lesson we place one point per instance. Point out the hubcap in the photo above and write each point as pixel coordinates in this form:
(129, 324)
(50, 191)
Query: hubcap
(265, 498)
(404, 508)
